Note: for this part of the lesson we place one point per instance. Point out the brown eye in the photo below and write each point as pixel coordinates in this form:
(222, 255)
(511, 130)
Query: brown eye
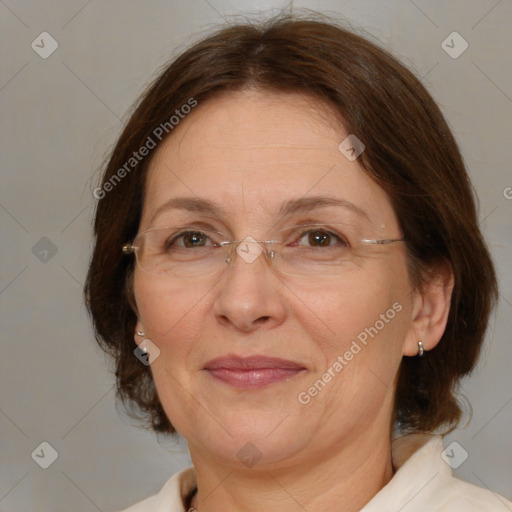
(194, 239)
(188, 240)
(319, 238)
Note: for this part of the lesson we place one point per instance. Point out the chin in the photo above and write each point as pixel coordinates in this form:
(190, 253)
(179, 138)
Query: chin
(254, 439)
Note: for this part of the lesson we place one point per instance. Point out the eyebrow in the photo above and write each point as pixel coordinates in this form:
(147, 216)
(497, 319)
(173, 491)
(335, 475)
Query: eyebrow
(307, 204)
(192, 204)
(293, 206)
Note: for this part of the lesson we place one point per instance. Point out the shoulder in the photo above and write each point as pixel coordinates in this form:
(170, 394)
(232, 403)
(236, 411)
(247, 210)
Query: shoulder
(456, 495)
(424, 481)
(450, 494)
(171, 497)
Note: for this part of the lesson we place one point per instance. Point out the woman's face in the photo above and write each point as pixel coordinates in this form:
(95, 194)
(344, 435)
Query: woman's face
(325, 347)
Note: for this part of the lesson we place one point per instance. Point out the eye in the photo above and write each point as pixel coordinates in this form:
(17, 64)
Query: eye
(321, 238)
(189, 240)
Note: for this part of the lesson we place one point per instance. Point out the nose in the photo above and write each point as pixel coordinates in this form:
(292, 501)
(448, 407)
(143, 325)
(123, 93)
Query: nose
(249, 295)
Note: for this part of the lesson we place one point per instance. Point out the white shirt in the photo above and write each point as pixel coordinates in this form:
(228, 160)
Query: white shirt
(423, 482)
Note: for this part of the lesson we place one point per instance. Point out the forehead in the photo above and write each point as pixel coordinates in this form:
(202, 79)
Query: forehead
(251, 151)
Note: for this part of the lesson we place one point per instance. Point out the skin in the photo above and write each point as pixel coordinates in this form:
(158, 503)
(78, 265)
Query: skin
(250, 152)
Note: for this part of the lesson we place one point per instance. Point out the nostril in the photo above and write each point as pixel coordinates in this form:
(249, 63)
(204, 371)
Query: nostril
(262, 319)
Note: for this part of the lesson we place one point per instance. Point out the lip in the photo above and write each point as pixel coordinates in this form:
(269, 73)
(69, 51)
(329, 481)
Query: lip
(252, 372)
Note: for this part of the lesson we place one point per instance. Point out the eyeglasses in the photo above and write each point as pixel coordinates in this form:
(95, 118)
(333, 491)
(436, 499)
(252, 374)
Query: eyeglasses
(305, 250)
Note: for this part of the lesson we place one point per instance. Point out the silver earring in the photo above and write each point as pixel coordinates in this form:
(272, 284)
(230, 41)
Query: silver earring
(421, 350)
(140, 333)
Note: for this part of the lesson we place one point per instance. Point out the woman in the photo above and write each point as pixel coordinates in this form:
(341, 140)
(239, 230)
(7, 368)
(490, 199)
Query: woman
(289, 272)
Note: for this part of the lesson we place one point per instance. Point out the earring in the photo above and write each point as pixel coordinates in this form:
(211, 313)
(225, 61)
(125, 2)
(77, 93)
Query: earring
(420, 349)
(140, 333)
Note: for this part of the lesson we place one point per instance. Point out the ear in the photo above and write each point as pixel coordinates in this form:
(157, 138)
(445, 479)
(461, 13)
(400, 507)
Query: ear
(431, 306)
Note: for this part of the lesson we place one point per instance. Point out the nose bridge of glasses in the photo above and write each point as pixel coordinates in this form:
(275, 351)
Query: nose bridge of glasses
(249, 249)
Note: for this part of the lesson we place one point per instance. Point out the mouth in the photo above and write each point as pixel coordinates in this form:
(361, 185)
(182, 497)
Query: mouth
(252, 372)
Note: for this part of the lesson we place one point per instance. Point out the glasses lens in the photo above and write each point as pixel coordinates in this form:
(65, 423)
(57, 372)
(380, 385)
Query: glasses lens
(318, 250)
(305, 250)
(182, 252)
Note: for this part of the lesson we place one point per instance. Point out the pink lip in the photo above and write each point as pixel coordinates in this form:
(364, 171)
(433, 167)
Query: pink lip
(252, 372)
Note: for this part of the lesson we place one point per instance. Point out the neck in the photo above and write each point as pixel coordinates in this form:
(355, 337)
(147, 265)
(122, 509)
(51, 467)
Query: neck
(343, 480)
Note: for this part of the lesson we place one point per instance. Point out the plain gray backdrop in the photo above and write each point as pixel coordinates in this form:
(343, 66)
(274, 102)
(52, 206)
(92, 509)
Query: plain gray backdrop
(60, 114)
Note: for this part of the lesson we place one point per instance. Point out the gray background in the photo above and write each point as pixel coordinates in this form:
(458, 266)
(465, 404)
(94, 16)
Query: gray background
(59, 117)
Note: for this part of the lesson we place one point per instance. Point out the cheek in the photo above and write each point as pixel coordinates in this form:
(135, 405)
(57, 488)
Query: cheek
(170, 314)
(366, 319)
(173, 320)
(364, 322)
(363, 300)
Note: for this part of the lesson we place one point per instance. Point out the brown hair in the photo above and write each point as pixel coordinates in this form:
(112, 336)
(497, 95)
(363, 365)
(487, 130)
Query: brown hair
(410, 152)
